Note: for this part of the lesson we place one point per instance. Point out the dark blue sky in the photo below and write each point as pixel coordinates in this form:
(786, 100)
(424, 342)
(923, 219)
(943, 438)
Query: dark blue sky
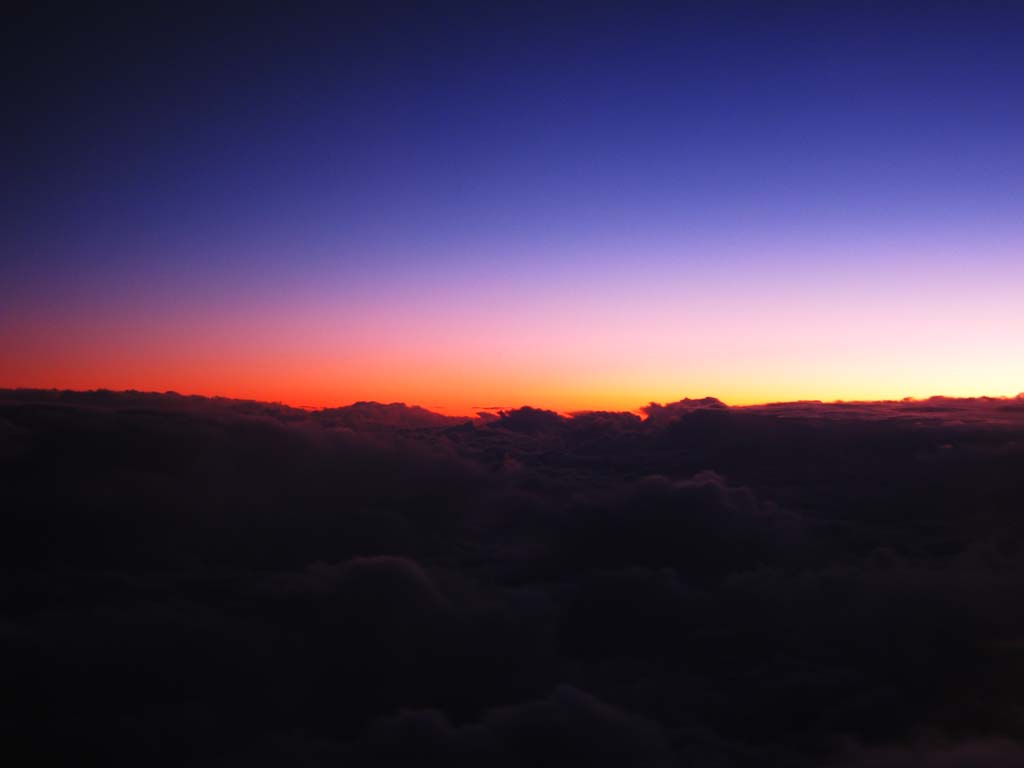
(427, 128)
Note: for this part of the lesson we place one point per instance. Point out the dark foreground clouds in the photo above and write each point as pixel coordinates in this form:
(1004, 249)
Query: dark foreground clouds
(195, 582)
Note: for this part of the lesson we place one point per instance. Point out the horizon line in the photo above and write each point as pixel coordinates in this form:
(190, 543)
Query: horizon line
(639, 410)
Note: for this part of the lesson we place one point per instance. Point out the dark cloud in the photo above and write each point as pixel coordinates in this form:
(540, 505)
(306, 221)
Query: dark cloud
(701, 526)
(530, 420)
(980, 753)
(660, 414)
(568, 727)
(382, 416)
(993, 411)
(192, 581)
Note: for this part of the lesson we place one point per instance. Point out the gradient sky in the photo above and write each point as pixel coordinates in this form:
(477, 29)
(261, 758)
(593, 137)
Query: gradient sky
(472, 207)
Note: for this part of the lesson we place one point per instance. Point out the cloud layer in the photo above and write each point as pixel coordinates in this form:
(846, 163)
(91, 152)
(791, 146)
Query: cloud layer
(204, 581)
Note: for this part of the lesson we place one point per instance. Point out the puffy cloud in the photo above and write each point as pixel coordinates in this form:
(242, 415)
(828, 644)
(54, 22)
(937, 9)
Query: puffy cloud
(530, 420)
(365, 416)
(659, 415)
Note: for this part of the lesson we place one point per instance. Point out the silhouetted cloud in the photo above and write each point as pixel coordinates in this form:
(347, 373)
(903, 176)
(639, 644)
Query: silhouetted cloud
(378, 415)
(659, 414)
(530, 420)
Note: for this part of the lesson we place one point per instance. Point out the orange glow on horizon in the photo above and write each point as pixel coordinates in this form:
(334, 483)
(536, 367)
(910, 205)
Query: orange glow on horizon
(616, 343)
(566, 400)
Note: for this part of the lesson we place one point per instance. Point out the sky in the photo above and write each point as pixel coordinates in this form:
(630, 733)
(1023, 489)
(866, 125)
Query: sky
(466, 207)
